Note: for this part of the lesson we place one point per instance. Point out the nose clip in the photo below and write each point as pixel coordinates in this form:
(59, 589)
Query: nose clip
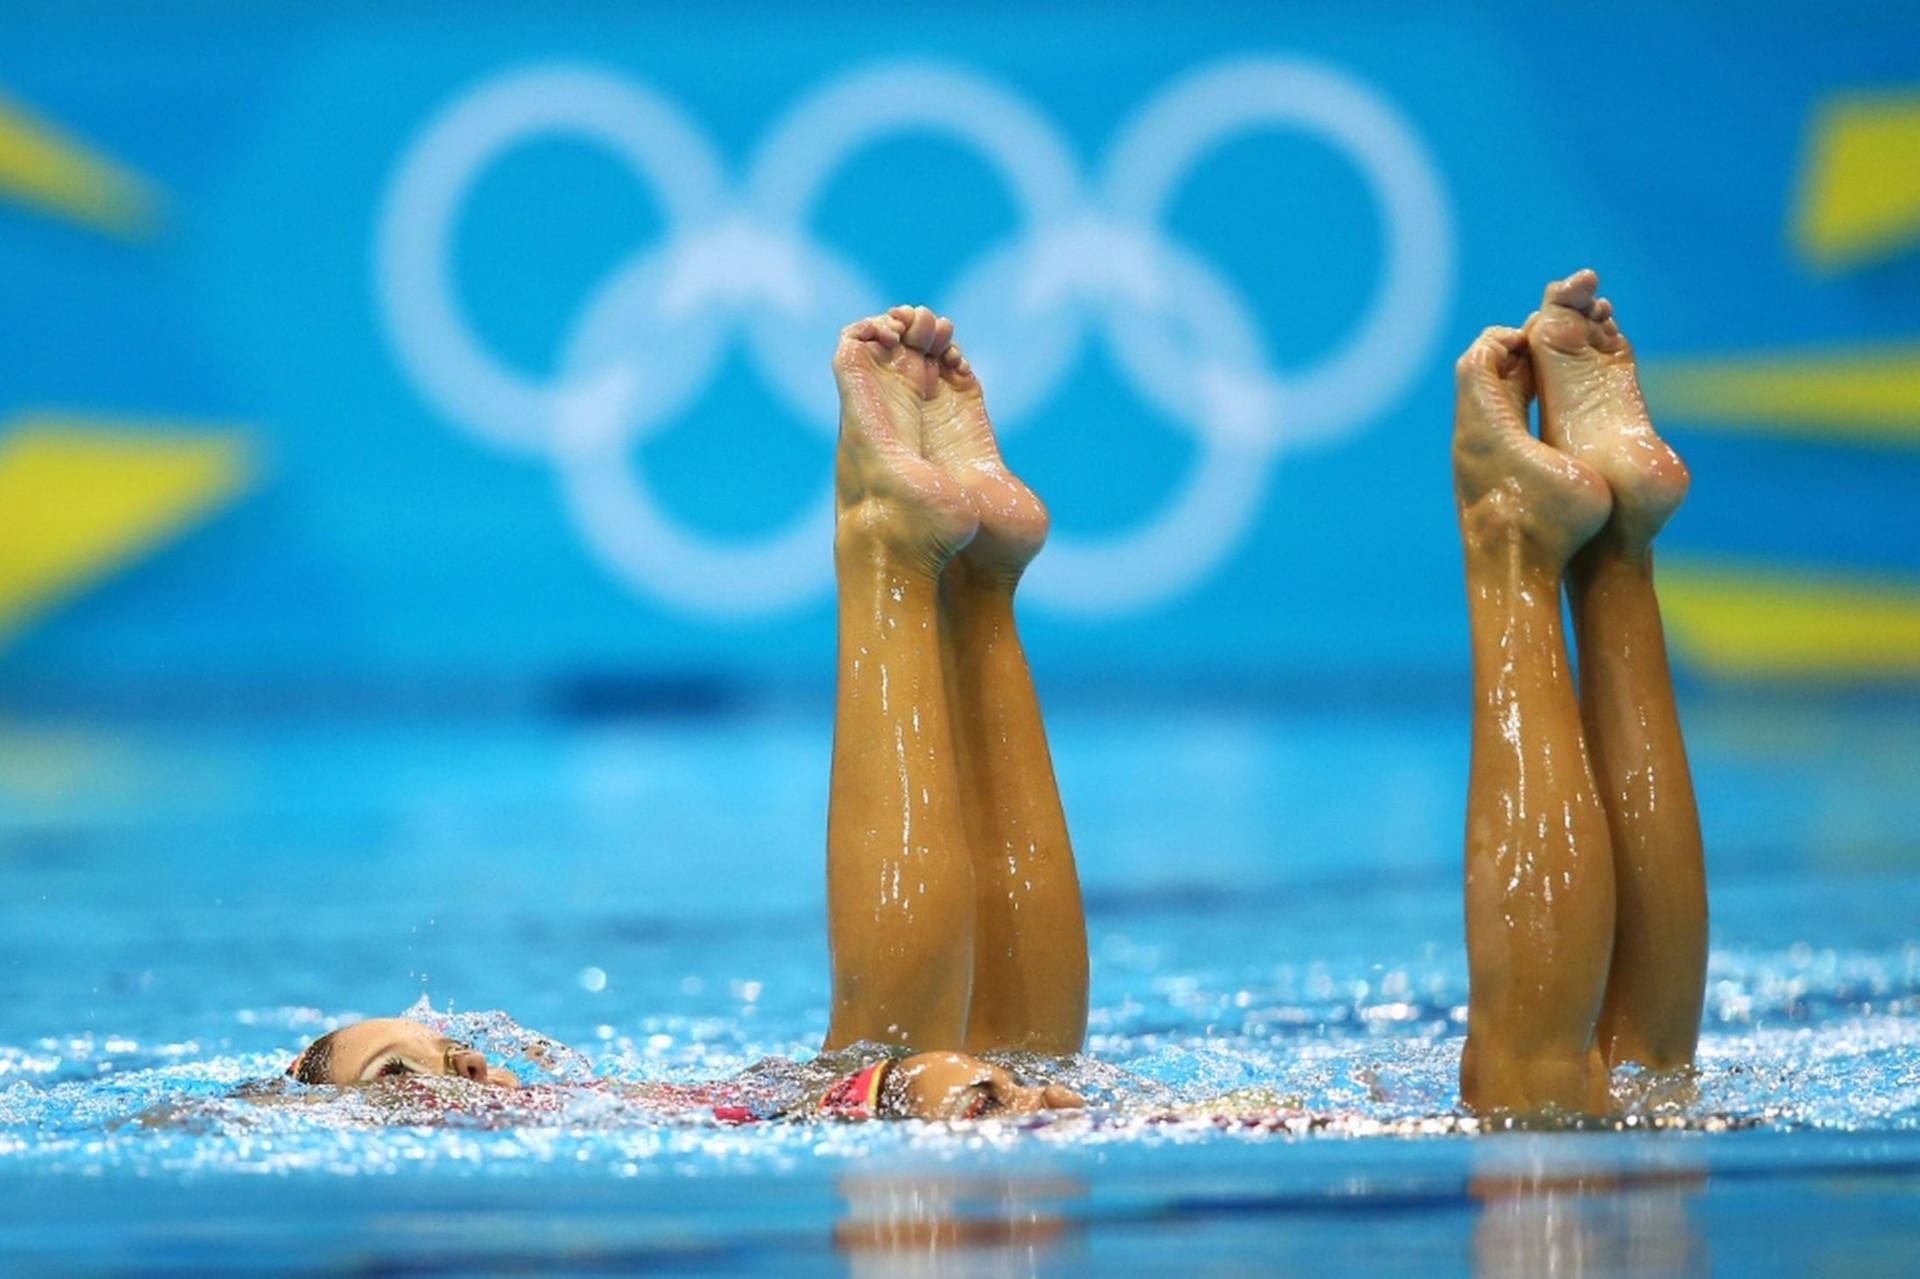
(466, 1063)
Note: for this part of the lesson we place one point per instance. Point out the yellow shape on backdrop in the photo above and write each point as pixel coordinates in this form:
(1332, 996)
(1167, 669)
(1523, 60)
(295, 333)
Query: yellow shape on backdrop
(42, 167)
(1870, 394)
(1736, 620)
(1860, 183)
(80, 497)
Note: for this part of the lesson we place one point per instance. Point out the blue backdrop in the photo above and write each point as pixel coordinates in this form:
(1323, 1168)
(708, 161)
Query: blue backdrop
(522, 319)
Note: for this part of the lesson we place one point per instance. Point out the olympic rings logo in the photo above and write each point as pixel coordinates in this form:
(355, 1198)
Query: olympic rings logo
(1090, 255)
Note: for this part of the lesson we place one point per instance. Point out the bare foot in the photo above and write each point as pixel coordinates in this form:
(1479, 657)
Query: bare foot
(960, 440)
(1506, 482)
(1590, 406)
(888, 367)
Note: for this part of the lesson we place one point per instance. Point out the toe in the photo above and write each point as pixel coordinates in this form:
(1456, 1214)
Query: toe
(954, 366)
(1494, 378)
(920, 329)
(857, 345)
(1474, 364)
(1562, 325)
(1576, 292)
(1511, 341)
(942, 335)
(1602, 309)
(1496, 351)
(887, 331)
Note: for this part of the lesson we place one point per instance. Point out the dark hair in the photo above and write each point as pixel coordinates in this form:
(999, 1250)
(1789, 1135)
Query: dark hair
(892, 1102)
(315, 1065)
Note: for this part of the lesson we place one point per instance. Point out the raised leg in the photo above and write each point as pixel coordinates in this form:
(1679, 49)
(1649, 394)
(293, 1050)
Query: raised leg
(1539, 879)
(900, 894)
(1591, 407)
(1030, 933)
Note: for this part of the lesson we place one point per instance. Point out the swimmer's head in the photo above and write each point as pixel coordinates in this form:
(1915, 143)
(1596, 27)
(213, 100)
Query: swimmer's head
(957, 1086)
(390, 1048)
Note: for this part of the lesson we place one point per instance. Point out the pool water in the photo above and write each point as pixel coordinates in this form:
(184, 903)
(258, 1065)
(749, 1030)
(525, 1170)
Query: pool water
(1273, 909)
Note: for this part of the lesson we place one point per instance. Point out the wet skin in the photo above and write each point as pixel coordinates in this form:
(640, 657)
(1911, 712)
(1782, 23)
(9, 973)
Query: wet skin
(1539, 889)
(955, 1086)
(393, 1047)
(938, 1086)
(1591, 407)
(953, 904)
(1585, 893)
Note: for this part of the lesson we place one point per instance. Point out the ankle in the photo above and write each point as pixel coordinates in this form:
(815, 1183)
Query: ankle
(968, 579)
(1608, 563)
(1615, 546)
(873, 532)
(1494, 530)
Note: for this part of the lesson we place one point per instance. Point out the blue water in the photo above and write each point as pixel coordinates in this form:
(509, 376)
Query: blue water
(1273, 907)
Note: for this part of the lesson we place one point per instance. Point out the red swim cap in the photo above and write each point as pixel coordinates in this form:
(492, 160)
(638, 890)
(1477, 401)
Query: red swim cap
(857, 1096)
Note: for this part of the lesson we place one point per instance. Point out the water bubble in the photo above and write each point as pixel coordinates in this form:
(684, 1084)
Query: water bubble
(592, 979)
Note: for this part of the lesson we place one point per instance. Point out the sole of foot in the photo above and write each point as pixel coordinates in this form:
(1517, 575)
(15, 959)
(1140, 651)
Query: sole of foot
(1510, 485)
(960, 440)
(888, 371)
(1591, 408)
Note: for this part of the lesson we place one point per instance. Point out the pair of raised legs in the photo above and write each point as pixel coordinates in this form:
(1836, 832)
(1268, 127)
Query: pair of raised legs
(1585, 891)
(953, 906)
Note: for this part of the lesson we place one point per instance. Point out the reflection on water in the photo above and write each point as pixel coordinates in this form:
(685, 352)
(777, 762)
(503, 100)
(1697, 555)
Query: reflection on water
(918, 1224)
(1543, 1214)
(1540, 1207)
(1278, 999)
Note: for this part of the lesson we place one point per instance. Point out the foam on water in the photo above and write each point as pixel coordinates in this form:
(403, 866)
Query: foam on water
(1278, 999)
(1797, 1039)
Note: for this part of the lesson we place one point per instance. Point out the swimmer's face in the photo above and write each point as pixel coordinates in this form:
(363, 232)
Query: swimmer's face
(956, 1086)
(394, 1048)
